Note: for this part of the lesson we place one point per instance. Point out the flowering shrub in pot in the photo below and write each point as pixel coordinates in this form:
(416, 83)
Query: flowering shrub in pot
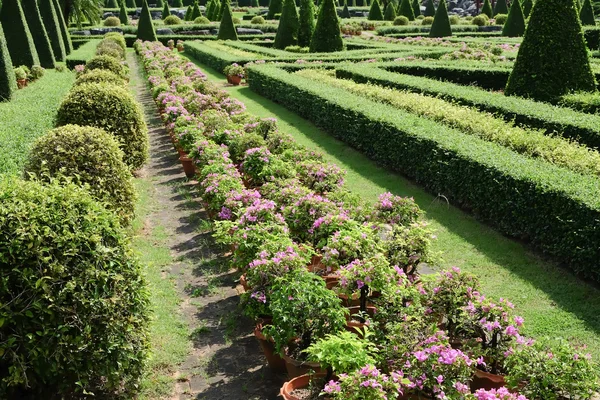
(321, 177)
(302, 214)
(396, 210)
(366, 383)
(236, 201)
(408, 246)
(240, 144)
(284, 192)
(235, 73)
(216, 181)
(259, 166)
(351, 242)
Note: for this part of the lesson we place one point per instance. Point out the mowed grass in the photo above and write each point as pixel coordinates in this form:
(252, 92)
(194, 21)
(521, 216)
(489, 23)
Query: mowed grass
(29, 115)
(552, 301)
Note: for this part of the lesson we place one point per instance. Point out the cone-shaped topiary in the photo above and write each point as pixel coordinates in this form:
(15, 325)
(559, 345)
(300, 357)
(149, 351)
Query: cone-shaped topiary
(130, 4)
(515, 22)
(190, 10)
(18, 37)
(375, 13)
(196, 11)
(441, 22)
(553, 58)
(139, 3)
(112, 4)
(177, 3)
(145, 26)
(123, 17)
(275, 7)
(8, 81)
(487, 9)
(209, 10)
(216, 10)
(159, 3)
(416, 6)
(222, 5)
(51, 23)
(227, 28)
(429, 9)
(390, 12)
(287, 32)
(527, 6)
(586, 15)
(307, 23)
(500, 7)
(406, 9)
(166, 12)
(63, 27)
(327, 36)
(345, 11)
(254, 3)
(39, 34)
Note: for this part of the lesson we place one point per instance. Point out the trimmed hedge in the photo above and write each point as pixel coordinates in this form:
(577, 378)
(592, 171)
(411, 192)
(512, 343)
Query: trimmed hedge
(39, 34)
(100, 76)
(8, 81)
(145, 29)
(515, 22)
(108, 63)
(287, 33)
(53, 29)
(307, 22)
(64, 31)
(441, 22)
(327, 36)
(555, 209)
(227, 29)
(375, 13)
(16, 32)
(82, 54)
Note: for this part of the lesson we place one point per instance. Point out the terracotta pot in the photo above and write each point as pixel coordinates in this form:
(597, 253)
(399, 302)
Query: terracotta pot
(228, 78)
(236, 80)
(357, 326)
(21, 83)
(297, 383)
(487, 381)
(180, 49)
(244, 282)
(181, 152)
(188, 166)
(297, 368)
(276, 363)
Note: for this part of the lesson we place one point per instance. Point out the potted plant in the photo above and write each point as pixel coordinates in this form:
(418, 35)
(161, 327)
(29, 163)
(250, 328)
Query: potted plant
(408, 246)
(171, 44)
(234, 73)
(322, 177)
(21, 76)
(260, 166)
(180, 46)
(366, 383)
(302, 215)
(352, 241)
(493, 394)
(396, 210)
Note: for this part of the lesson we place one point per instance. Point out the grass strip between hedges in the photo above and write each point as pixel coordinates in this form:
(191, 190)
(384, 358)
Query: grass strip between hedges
(82, 54)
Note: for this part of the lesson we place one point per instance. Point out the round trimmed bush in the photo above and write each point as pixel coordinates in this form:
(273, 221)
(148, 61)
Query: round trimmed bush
(118, 38)
(74, 304)
(173, 20)
(401, 20)
(258, 20)
(427, 21)
(237, 21)
(454, 20)
(108, 63)
(89, 156)
(480, 20)
(202, 21)
(110, 48)
(113, 109)
(112, 21)
(100, 76)
(500, 19)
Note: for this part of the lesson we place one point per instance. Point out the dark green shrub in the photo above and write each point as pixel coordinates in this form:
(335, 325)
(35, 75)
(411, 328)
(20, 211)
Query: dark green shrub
(553, 58)
(177, 3)
(401, 20)
(89, 156)
(202, 21)
(515, 23)
(196, 13)
(130, 3)
(167, 13)
(189, 11)
(416, 5)
(500, 19)
(75, 305)
(108, 63)
(287, 32)
(112, 21)
(173, 20)
(112, 4)
(53, 29)
(429, 9)
(64, 31)
(39, 34)
(100, 76)
(487, 9)
(406, 9)
(159, 3)
(36, 72)
(375, 13)
(146, 30)
(527, 6)
(345, 11)
(216, 10)
(390, 12)
(275, 7)
(327, 36)
(427, 21)
(306, 22)
(113, 109)
(7, 76)
(258, 20)
(227, 28)
(586, 15)
(500, 7)
(480, 20)
(18, 37)
(441, 23)
(123, 17)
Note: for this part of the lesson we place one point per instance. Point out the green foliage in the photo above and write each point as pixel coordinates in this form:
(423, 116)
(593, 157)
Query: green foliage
(166, 12)
(84, 53)
(500, 19)
(427, 21)
(553, 58)
(110, 48)
(257, 20)
(7, 76)
(112, 21)
(196, 11)
(343, 352)
(481, 20)
(327, 36)
(406, 9)
(500, 7)
(416, 6)
(586, 15)
(108, 63)
(112, 4)
(100, 76)
(216, 10)
(145, 29)
(91, 158)
(429, 9)
(63, 332)
(177, 3)
(189, 11)
(202, 20)
(287, 32)
(401, 20)
(487, 9)
(527, 6)
(441, 24)
(227, 29)
(173, 20)
(275, 7)
(159, 3)
(375, 13)
(123, 17)
(345, 11)
(130, 3)
(390, 12)
(16, 32)
(39, 34)
(306, 22)
(515, 23)
(64, 31)
(51, 23)
(113, 109)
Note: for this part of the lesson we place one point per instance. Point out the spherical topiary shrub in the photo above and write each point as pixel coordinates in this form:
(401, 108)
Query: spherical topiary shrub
(500, 19)
(117, 38)
(427, 21)
(480, 20)
(173, 20)
(100, 76)
(112, 21)
(89, 156)
(454, 20)
(113, 109)
(258, 20)
(110, 48)
(401, 20)
(74, 303)
(109, 63)
(202, 21)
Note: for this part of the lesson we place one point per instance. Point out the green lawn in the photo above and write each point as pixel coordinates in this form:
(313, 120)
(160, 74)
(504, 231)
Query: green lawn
(551, 300)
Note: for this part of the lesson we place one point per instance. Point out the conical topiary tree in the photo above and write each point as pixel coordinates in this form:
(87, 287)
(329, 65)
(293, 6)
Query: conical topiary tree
(416, 5)
(196, 11)
(515, 22)
(429, 9)
(222, 5)
(166, 12)
(501, 7)
(275, 7)
(345, 11)
(375, 13)
(390, 12)
(327, 36)
(227, 28)
(145, 26)
(190, 10)
(487, 9)
(18, 37)
(112, 4)
(586, 15)
(441, 22)
(254, 3)
(123, 14)
(553, 59)
(63, 27)
(159, 3)
(287, 32)
(527, 6)
(8, 81)
(177, 4)
(53, 29)
(406, 10)
(307, 23)
(39, 34)
(130, 4)
(216, 10)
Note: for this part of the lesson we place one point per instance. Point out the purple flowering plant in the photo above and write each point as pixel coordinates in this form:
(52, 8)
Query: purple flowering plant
(366, 383)
(408, 246)
(495, 394)
(260, 166)
(396, 210)
(302, 214)
(351, 242)
(320, 176)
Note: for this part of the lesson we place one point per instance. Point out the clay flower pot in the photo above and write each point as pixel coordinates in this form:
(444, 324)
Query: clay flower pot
(235, 80)
(352, 325)
(487, 381)
(297, 368)
(21, 83)
(276, 363)
(299, 382)
(244, 282)
(188, 166)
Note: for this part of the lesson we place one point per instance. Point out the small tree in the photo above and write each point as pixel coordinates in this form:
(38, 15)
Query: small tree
(553, 59)
(63, 27)
(130, 4)
(18, 37)
(515, 22)
(8, 81)
(196, 11)
(406, 9)
(287, 32)
(429, 9)
(500, 7)
(39, 34)
(390, 12)
(441, 22)
(527, 6)
(227, 29)
(487, 9)
(416, 5)
(52, 28)
(586, 15)
(375, 13)
(275, 7)
(159, 3)
(327, 36)
(112, 4)
(145, 26)
(177, 3)
(123, 14)
(216, 10)
(345, 11)
(190, 10)
(166, 12)
(307, 23)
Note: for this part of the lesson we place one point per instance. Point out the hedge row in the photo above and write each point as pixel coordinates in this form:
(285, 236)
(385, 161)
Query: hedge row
(553, 208)
(387, 30)
(568, 123)
(82, 54)
(132, 30)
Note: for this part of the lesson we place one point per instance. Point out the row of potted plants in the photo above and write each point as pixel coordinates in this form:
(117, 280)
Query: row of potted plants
(333, 281)
(25, 74)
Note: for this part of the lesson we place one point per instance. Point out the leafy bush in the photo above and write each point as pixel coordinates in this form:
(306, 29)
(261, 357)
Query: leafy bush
(89, 156)
(110, 48)
(287, 32)
(173, 20)
(515, 22)
(427, 21)
(205, 21)
(112, 21)
(36, 72)
(108, 63)
(441, 23)
(401, 20)
(20, 73)
(375, 13)
(113, 109)
(100, 76)
(117, 38)
(500, 19)
(454, 20)
(75, 305)
(258, 20)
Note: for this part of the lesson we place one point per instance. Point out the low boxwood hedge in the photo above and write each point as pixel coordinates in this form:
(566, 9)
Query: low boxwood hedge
(555, 209)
